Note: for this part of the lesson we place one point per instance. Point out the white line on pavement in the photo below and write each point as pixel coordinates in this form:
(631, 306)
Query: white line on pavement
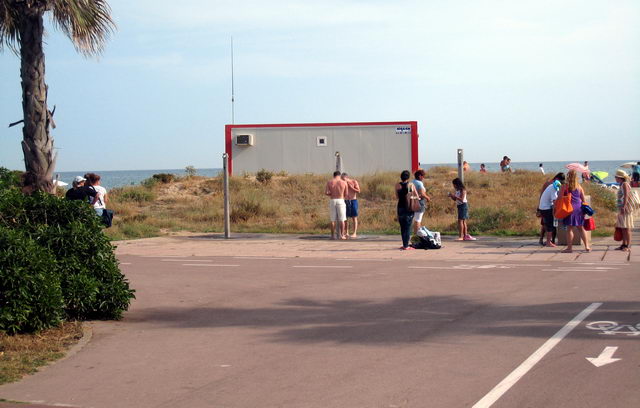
(323, 266)
(208, 265)
(257, 257)
(534, 358)
(363, 259)
(125, 263)
(187, 260)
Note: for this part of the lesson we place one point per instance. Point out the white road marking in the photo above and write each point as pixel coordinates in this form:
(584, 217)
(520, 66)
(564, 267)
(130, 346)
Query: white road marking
(323, 266)
(258, 257)
(187, 260)
(606, 357)
(125, 263)
(584, 269)
(194, 264)
(534, 358)
(613, 328)
(487, 266)
(363, 259)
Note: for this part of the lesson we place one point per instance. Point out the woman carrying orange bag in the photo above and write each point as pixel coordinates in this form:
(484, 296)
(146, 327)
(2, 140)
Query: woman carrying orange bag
(575, 220)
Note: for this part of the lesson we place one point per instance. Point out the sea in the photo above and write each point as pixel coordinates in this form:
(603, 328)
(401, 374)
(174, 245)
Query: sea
(120, 178)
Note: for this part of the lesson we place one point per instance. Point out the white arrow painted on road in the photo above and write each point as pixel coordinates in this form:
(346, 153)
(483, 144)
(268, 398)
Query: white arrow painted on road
(605, 357)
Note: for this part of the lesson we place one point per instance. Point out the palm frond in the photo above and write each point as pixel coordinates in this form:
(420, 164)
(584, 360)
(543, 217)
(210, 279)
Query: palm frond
(87, 23)
(9, 20)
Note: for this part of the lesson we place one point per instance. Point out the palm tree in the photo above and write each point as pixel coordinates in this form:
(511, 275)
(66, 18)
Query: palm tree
(88, 24)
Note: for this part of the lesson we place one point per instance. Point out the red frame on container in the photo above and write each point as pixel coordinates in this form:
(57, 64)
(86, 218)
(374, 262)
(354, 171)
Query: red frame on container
(414, 135)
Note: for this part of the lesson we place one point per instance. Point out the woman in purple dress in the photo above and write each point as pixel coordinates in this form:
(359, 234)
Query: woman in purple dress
(576, 219)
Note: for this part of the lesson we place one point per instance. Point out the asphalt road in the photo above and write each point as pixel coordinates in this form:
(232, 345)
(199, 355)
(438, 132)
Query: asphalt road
(303, 332)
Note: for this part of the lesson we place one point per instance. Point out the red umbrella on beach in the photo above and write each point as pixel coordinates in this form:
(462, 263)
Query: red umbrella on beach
(577, 167)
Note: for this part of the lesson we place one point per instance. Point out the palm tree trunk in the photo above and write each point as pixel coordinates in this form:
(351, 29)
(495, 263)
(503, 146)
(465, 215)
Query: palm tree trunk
(37, 144)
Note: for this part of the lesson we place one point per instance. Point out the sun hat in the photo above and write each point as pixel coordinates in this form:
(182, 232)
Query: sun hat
(79, 179)
(622, 174)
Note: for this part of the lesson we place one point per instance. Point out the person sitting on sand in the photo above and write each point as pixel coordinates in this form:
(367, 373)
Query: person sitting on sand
(351, 201)
(586, 175)
(465, 166)
(336, 189)
(483, 168)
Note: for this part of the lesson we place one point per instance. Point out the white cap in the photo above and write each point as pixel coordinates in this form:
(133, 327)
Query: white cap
(79, 179)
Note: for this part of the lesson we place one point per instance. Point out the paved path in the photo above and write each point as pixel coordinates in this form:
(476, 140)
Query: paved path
(257, 323)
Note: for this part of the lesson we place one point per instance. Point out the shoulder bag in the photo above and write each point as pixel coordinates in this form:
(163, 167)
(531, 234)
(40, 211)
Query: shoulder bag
(563, 207)
(413, 199)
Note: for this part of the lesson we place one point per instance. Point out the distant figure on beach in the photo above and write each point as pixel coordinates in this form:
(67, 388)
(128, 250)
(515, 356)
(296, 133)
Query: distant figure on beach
(99, 201)
(635, 175)
(576, 219)
(483, 168)
(624, 220)
(541, 168)
(465, 166)
(546, 203)
(586, 175)
(418, 183)
(79, 191)
(405, 215)
(336, 189)
(351, 201)
(505, 164)
(460, 198)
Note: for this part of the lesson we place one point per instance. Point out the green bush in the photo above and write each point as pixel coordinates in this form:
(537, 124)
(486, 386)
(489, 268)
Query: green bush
(164, 177)
(90, 281)
(30, 293)
(264, 176)
(135, 194)
(9, 178)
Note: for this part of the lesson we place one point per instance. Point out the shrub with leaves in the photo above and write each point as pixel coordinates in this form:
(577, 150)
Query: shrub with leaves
(264, 176)
(164, 177)
(9, 178)
(30, 293)
(89, 278)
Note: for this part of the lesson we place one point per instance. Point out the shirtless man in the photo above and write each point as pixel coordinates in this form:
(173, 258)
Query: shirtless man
(337, 190)
(351, 200)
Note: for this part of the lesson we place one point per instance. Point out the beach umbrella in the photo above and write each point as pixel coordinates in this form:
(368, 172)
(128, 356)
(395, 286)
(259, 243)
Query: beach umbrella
(577, 167)
(628, 165)
(601, 175)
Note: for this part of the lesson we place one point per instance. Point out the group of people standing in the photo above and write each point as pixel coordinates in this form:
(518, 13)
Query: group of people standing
(343, 204)
(560, 186)
(407, 190)
(87, 188)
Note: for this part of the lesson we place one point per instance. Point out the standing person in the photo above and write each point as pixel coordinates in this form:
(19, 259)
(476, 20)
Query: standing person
(547, 199)
(460, 197)
(336, 189)
(586, 175)
(557, 181)
(576, 219)
(503, 164)
(99, 202)
(79, 191)
(351, 201)
(418, 184)
(541, 168)
(405, 215)
(483, 169)
(624, 220)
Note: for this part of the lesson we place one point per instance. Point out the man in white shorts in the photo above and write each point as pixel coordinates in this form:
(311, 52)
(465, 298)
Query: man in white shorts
(337, 190)
(424, 198)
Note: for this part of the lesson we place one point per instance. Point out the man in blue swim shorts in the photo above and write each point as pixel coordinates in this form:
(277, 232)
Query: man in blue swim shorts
(351, 200)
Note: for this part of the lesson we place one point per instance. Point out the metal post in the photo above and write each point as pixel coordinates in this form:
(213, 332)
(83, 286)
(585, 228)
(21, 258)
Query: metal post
(460, 161)
(338, 162)
(225, 186)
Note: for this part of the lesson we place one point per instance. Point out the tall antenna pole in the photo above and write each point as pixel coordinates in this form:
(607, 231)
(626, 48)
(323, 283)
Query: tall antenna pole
(233, 99)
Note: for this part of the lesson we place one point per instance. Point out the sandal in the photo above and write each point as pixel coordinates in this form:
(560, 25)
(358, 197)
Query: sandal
(621, 247)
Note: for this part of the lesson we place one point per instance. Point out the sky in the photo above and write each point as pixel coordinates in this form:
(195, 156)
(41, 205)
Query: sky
(535, 80)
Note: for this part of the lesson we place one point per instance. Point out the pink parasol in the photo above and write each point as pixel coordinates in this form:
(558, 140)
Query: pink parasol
(577, 167)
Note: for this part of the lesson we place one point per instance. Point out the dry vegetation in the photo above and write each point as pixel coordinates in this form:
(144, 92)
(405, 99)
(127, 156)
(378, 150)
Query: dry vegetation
(22, 354)
(500, 204)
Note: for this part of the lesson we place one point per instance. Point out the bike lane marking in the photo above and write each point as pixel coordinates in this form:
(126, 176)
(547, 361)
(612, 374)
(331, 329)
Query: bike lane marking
(509, 381)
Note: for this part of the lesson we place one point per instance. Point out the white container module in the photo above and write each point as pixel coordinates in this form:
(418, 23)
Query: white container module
(364, 147)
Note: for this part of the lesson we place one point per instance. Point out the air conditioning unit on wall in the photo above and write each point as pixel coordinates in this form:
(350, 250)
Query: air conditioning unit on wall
(244, 140)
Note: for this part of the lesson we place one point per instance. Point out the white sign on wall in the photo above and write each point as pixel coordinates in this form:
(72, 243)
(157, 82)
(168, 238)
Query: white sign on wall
(403, 130)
